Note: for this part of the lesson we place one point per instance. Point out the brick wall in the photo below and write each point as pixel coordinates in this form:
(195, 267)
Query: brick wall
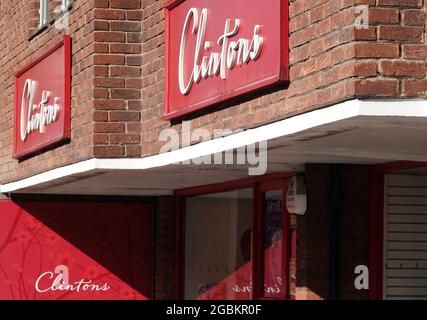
(164, 252)
(118, 71)
(117, 83)
(312, 279)
(330, 61)
(106, 79)
(400, 51)
(16, 50)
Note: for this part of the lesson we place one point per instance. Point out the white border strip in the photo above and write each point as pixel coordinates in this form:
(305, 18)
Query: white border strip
(299, 123)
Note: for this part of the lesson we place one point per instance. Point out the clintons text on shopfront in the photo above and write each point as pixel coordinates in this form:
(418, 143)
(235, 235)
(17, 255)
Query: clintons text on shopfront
(222, 50)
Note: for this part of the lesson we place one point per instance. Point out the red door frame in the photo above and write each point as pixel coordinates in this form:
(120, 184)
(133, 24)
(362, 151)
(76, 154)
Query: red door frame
(376, 230)
(257, 184)
(258, 248)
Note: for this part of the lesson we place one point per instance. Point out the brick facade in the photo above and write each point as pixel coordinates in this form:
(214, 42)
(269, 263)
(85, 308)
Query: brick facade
(16, 50)
(330, 61)
(312, 237)
(164, 248)
(118, 71)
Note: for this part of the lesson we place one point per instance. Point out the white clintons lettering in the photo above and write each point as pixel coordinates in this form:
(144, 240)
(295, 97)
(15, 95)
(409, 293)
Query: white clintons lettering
(36, 116)
(237, 52)
(60, 282)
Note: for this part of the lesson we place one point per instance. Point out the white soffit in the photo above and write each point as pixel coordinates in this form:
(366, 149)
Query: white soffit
(355, 131)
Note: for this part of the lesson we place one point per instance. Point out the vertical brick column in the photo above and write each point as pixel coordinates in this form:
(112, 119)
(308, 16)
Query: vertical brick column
(396, 43)
(117, 82)
(313, 231)
(354, 228)
(164, 244)
(313, 237)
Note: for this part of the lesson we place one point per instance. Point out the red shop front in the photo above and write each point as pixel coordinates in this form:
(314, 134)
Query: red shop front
(76, 249)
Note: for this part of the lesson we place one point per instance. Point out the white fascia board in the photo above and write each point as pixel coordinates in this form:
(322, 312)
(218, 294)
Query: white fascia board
(393, 108)
(50, 175)
(342, 111)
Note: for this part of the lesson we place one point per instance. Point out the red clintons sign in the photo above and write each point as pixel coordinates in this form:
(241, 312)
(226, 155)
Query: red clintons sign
(42, 101)
(220, 49)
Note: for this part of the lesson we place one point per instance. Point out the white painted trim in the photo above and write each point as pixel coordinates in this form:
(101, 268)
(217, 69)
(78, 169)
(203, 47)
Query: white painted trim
(299, 123)
(51, 175)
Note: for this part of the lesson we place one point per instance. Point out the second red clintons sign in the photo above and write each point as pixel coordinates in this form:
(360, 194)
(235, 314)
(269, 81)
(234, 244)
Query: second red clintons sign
(219, 49)
(42, 101)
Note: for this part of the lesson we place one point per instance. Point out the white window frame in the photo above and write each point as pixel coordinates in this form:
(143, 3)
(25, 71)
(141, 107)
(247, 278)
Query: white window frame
(44, 10)
(43, 13)
(66, 5)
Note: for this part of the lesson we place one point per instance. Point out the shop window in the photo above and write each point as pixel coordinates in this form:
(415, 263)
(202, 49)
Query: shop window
(218, 245)
(238, 244)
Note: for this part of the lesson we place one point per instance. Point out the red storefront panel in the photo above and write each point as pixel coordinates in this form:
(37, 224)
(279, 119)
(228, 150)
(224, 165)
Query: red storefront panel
(218, 50)
(85, 244)
(42, 101)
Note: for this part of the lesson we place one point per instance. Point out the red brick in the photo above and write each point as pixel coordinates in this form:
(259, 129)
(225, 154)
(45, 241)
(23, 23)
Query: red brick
(100, 116)
(100, 138)
(414, 87)
(125, 48)
(106, 127)
(365, 69)
(383, 16)
(415, 51)
(125, 138)
(376, 50)
(127, 26)
(393, 68)
(365, 34)
(376, 88)
(401, 3)
(125, 94)
(125, 4)
(108, 36)
(400, 33)
(116, 71)
(124, 116)
(109, 104)
(108, 151)
(107, 14)
(109, 82)
(109, 59)
(134, 60)
(134, 83)
(101, 25)
(414, 17)
(133, 151)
